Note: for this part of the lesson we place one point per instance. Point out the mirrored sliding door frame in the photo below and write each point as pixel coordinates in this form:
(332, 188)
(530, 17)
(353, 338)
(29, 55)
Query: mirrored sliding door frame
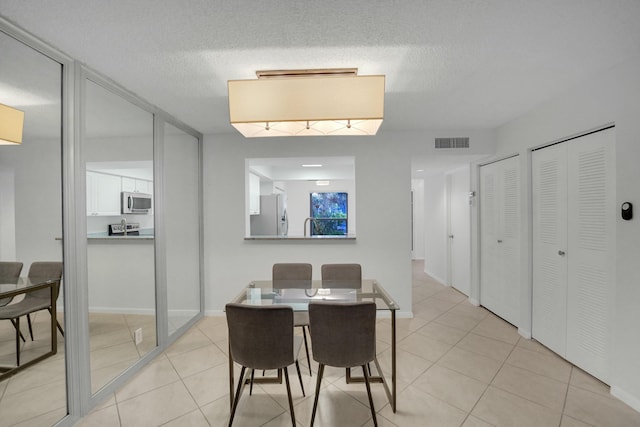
(71, 322)
(162, 339)
(76, 320)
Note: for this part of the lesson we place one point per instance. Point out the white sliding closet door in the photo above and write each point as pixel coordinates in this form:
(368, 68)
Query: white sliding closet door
(574, 250)
(549, 183)
(500, 238)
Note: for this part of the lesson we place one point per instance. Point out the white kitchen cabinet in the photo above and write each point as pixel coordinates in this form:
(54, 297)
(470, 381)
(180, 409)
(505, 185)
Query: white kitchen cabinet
(128, 184)
(500, 238)
(254, 194)
(573, 237)
(134, 185)
(103, 194)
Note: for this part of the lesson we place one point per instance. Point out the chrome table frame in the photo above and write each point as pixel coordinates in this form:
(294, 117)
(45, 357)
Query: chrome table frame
(262, 292)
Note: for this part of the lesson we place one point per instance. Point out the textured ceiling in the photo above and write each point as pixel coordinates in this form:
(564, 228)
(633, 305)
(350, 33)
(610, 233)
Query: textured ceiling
(449, 64)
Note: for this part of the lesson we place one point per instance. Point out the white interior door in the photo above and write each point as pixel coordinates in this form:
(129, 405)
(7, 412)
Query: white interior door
(490, 286)
(500, 238)
(459, 237)
(591, 251)
(509, 240)
(549, 182)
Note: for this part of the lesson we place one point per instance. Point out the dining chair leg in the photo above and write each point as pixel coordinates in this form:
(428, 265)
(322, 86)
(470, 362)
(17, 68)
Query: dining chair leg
(13, 322)
(306, 348)
(300, 377)
(286, 380)
(366, 381)
(315, 400)
(30, 328)
(251, 382)
(238, 392)
(59, 327)
(17, 325)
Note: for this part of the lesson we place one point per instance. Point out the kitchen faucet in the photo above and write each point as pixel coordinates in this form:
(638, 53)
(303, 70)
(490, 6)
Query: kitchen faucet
(305, 225)
(123, 224)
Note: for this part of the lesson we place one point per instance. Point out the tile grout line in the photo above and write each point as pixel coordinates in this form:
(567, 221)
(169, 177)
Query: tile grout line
(489, 385)
(566, 395)
(501, 367)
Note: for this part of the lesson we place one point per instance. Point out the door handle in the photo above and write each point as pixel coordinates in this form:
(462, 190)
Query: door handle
(499, 241)
(451, 236)
(561, 253)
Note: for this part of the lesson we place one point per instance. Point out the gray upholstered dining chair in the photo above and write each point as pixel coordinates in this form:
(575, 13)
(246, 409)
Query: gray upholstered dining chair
(343, 335)
(342, 275)
(39, 300)
(39, 272)
(296, 275)
(9, 274)
(261, 337)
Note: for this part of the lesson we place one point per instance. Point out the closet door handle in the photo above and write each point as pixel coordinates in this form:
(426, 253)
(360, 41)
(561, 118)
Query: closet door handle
(499, 241)
(561, 253)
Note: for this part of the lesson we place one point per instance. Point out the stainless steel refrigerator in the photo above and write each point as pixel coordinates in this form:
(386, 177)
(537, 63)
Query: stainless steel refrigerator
(272, 220)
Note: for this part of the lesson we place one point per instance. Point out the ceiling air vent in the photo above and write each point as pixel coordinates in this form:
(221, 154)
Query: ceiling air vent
(452, 142)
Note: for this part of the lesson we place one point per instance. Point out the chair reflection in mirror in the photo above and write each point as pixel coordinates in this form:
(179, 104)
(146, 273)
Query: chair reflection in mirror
(9, 275)
(35, 300)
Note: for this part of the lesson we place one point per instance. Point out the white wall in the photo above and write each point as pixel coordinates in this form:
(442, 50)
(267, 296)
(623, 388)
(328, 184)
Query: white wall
(383, 185)
(121, 276)
(435, 227)
(37, 194)
(613, 97)
(7, 214)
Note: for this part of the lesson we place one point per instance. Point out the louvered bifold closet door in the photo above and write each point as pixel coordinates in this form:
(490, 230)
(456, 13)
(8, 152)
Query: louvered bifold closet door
(549, 184)
(510, 240)
(574, 210)
(490, 283)
(591, 251)
(500, 238)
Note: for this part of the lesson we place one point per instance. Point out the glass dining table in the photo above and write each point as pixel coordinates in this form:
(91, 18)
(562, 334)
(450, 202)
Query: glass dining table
(11, 292)
(299, 293)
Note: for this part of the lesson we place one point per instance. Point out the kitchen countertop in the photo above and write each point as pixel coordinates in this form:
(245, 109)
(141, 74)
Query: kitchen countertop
(309, 238)
(145, 234)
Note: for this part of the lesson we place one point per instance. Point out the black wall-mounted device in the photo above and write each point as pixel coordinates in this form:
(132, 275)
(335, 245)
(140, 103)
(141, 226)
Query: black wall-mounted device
(626, 210)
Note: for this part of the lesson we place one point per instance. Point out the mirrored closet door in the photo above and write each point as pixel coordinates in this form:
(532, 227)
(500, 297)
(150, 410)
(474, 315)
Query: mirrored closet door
(32, 388)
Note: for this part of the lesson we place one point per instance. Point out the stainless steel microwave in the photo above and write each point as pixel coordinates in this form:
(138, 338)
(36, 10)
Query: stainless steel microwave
(136, 203)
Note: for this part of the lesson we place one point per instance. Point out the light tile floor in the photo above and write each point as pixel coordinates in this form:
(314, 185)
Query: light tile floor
(458, 365)
(42, 385)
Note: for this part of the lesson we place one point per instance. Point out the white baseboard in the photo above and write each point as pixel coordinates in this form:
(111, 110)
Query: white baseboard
(437, 279)
(120, 310)
(627, 398)
(214, 313)
(474, 302)
(183, 313)
(524, 333)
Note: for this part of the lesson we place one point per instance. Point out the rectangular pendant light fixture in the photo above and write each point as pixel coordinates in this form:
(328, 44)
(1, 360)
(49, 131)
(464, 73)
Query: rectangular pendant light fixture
(307, 103)
(11, 125)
